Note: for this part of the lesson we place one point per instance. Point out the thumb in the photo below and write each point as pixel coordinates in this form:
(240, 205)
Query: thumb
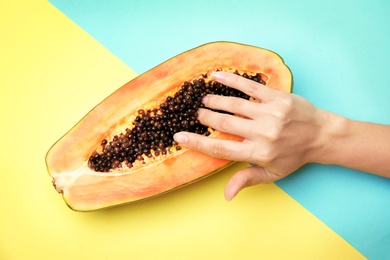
(247, 177)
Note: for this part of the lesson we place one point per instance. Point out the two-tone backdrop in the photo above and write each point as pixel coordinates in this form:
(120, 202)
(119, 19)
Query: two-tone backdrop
(60, 58)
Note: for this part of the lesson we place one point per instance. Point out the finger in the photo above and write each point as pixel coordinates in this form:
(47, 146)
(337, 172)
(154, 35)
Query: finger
(224, 149)
(249, 87)
(238, 106)
(226, 123)
(247, 177)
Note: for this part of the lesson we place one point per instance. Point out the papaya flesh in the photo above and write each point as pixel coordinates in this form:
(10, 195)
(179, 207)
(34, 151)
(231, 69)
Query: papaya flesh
(123, 151)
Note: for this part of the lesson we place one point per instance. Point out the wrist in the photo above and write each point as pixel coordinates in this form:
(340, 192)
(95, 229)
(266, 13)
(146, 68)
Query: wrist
(333, 130)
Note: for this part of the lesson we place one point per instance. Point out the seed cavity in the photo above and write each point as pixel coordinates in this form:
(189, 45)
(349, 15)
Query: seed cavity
(150, 135)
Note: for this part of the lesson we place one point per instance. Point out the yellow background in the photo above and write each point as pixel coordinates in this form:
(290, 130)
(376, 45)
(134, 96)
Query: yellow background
(52, 74)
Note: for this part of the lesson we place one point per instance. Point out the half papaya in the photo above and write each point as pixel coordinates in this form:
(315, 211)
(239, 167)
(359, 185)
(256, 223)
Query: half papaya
(123, 150)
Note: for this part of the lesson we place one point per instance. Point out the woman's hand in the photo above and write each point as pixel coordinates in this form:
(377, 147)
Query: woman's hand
(280, 131)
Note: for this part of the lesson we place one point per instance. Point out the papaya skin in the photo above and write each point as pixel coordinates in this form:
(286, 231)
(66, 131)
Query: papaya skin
(67, 160)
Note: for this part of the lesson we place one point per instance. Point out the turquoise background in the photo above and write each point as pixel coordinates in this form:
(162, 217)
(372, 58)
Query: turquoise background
(338, 52)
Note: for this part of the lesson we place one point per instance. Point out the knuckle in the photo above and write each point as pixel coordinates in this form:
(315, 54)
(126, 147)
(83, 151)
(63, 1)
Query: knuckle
(286, 105)
(219, 150)
(251, 88)
(282, 114)
(273, 134)
(224, 123)
(233, 80)
(197, 144)
(248, 182)
(265, 155)
(236, 103)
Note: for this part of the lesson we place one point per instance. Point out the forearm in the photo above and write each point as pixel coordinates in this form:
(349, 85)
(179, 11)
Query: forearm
(354, 144)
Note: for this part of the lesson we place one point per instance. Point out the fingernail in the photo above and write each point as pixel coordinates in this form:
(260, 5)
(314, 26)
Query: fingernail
(205, 99)
(217, 75)
(180, 138)
(229, 196)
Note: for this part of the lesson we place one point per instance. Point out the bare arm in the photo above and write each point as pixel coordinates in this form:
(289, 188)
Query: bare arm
(355, 144)
(282, 133)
